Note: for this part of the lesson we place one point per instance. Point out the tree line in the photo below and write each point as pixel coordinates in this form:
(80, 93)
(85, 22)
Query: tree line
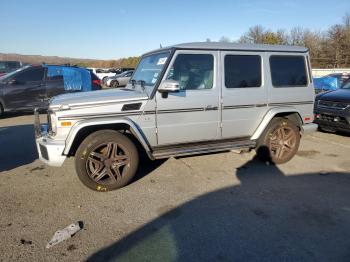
(328, 49)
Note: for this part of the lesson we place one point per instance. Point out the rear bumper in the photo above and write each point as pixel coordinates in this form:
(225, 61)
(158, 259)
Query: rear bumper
(50, 151)
(308, 128)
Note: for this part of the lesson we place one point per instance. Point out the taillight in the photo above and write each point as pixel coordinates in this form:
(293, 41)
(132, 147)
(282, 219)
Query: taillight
(96, 82)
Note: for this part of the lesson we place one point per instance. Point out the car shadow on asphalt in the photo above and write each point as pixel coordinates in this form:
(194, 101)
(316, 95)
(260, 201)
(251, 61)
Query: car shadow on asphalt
(267, 217)
(17, 146)
(146, 167)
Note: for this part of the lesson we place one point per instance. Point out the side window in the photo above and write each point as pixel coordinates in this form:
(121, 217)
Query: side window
(288, 71)
(242, 71)
(32, 74)
(54, 73)
(193, 71)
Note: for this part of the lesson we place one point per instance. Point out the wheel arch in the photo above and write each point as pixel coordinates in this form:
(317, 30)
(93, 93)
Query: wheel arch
(290, 113)
(86, 127)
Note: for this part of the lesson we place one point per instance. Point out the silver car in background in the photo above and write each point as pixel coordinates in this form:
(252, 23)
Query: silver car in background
(119, 80)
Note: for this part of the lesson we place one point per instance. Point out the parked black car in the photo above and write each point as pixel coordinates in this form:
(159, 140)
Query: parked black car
(332, 109)
(32, 86)
(9, 66)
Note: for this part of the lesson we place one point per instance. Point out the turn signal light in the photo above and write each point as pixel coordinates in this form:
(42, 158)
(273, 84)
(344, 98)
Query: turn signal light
(66, 123)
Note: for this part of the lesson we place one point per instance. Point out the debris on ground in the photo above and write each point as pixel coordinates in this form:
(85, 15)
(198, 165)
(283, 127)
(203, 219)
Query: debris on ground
(66, 233)
(26, 242)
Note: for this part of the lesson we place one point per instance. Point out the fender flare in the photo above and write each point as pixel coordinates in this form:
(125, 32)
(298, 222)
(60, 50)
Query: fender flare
(269, 116)
(105, 121)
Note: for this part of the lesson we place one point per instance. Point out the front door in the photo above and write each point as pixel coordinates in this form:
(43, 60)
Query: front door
(191, 115)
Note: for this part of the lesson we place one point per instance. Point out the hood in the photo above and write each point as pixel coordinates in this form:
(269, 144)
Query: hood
(340, 95)
(80, 99)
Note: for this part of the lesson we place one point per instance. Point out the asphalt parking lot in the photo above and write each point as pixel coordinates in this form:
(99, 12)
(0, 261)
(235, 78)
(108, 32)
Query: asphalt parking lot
(220, 207)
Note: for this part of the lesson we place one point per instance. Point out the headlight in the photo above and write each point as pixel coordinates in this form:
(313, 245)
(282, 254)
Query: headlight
(52, 123)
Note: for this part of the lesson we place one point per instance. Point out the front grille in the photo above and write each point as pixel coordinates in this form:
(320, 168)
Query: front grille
(333, 105)
(329, 118)
(43, 151)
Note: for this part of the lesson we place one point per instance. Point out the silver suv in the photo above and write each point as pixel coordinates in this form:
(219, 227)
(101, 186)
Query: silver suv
(182, 100)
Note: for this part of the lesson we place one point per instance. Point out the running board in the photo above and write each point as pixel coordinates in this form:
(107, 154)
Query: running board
(201, 148)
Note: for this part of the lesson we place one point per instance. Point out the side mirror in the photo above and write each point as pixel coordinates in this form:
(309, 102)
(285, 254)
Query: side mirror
(169, 86)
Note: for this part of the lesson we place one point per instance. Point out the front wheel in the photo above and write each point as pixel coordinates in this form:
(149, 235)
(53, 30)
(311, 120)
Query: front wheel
(106, 160)
(280, 142)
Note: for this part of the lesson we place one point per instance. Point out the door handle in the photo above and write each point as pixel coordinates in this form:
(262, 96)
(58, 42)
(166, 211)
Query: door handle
(210, 107)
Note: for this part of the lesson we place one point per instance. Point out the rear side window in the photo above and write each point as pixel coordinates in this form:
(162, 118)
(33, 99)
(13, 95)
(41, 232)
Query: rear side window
(288, 71)
(242, 71)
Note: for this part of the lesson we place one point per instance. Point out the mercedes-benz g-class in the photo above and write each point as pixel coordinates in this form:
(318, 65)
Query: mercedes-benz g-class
(183, 100)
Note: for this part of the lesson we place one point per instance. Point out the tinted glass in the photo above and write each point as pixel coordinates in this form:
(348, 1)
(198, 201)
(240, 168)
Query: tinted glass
(242, 71)
(32, 74)
(193, 71)
(288, 71)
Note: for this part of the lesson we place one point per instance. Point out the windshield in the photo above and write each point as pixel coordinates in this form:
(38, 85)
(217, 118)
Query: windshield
(9, 75)
(148, 70)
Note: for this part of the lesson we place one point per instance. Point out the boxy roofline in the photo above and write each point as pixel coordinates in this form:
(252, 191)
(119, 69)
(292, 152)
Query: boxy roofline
(234, 47)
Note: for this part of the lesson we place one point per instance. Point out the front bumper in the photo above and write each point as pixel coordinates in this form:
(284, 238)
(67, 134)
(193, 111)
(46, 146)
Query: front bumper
(50, 151)
(338, 120)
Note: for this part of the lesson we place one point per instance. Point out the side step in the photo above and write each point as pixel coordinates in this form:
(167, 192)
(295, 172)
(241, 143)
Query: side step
(201, 148)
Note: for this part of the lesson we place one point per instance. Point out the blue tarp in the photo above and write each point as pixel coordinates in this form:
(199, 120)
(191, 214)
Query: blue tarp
(326, 83)
(74, 78)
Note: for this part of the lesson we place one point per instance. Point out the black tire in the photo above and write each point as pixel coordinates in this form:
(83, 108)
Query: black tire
(115, 84)
(280, 141)
(2, 111)
(103, 155)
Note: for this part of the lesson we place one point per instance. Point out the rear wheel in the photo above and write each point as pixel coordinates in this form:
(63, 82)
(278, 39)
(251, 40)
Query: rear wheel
(106, 160)
(280, 142)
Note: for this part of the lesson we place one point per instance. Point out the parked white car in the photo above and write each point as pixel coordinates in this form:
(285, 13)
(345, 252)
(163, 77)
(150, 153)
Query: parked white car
(102, 74)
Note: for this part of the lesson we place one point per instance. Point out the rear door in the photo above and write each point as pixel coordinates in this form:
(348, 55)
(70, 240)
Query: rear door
(26, 89)
(244, 93)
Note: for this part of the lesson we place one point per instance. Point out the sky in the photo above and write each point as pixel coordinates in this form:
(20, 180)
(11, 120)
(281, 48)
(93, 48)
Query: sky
(107, 29)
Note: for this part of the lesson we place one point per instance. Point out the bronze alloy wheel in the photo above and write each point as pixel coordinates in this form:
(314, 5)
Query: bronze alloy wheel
(279, 142)
(107, 163)
(106, 160)
(282, 142)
